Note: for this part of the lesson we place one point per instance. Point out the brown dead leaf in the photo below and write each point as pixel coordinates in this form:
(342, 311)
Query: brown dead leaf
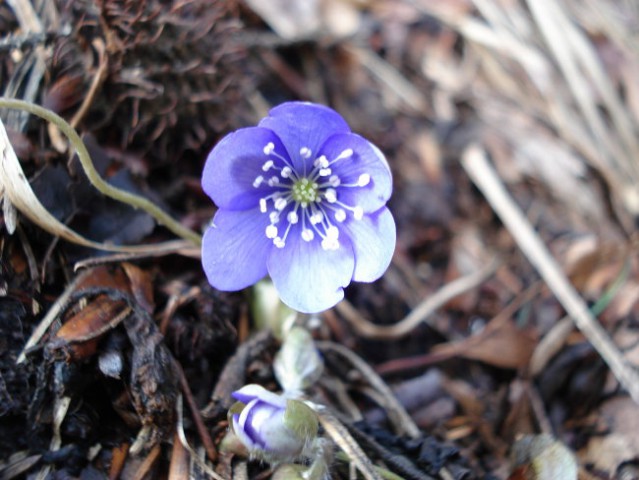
(80, 334)
(503, 345)
(65, 93)
(141, 287)
(621, 442)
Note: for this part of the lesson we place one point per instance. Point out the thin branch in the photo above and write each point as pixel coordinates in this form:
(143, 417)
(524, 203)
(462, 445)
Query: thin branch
(421, 312)
(485, 177)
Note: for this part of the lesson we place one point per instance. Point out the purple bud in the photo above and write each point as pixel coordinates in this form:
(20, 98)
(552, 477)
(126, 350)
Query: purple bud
(272, 427)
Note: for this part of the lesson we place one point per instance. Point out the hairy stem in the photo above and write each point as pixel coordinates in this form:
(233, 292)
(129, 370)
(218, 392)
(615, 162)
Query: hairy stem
(96, 180)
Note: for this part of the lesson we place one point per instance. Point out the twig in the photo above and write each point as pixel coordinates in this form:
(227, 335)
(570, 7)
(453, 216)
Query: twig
(341, 436)
(396, 412)
(555, 338)
(391, 77)
(173, 247)
(420, 313)
(98, 78)
(94, 177)
(179, 430)
(51, 315)
(485, 177)
(207, 441)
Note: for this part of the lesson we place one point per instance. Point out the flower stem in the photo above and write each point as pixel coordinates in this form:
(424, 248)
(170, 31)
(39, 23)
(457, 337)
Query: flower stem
(136, 201)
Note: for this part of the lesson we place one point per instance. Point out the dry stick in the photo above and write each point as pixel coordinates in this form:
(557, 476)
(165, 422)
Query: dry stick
(179, 430)
(396, 411)
(51, 315)
(344, 440)
(485, 177)
(421, 312)
(205, 437)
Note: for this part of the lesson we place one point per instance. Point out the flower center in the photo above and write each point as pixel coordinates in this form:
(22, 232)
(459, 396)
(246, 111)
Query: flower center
(309, 198)
(304, 191)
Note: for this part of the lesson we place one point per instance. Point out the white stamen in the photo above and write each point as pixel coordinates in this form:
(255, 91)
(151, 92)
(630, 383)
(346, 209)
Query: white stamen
(307, 235)
(258, 181)
(274, 217)
(316, 218)
(345, 154)
(305, 152)
(325, 172)
(332, 232)
(358, 213)
(267, 165)
(263, 205)
(340, 215)
(334, 181)
(292, 217)
(280, 204)
(273, 181)
(321, 162)
(364, 179)
(286, 172)
(271, 231)
(279, 243)
(330, 243)
(268, 148)
(331, 195)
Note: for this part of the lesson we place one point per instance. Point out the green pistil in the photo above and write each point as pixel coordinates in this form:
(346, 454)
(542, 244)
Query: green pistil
(305, 191)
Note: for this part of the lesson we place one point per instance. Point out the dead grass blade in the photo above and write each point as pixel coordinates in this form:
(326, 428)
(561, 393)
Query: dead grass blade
(484, 176)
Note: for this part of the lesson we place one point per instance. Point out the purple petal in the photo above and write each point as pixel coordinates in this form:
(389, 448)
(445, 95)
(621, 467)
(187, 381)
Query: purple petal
(235, 163)
(257, 416)
(241, 434)
(308, 278)
(253, 391)
(373, 240)
(365, 160)
(235, 249)
(304, 125)
(278, 438)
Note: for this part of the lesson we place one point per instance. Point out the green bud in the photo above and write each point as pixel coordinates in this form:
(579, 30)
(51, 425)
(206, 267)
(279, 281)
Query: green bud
(289, 471)
(298, 364)
(300, 419)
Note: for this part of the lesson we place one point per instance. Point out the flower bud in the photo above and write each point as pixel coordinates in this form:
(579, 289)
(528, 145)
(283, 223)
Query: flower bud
(298, 363)
(271, 426)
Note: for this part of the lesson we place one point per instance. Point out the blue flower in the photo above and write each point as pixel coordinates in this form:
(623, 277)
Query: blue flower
(302, 199)
(271, 426)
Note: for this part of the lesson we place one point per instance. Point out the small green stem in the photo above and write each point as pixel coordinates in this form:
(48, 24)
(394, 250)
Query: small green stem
(96, 180)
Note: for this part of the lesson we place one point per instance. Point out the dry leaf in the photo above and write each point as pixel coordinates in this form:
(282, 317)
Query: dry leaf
(621, 443)
(503, 345)
(18, 194)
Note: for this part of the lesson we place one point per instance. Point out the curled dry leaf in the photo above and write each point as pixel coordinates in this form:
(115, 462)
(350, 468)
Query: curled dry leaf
(18, 194)
(500, 344)
(114, 296)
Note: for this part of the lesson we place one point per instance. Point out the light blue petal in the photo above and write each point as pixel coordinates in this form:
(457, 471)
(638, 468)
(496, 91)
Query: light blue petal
(278, 439)
(235, 163)
(303, 124)
(238, 430)
(235, 249)
(373, 239)
(308, 278)
(365, 160)
(252, 391)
